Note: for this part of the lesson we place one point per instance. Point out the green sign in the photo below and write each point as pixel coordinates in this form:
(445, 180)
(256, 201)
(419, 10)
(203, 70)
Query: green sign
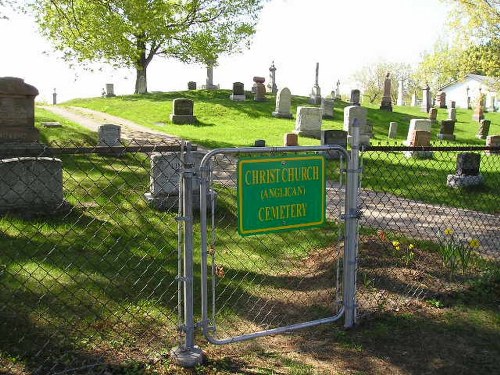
(281, 193)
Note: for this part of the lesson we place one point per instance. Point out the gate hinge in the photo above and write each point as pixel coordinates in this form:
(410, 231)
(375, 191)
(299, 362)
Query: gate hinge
(353, 215)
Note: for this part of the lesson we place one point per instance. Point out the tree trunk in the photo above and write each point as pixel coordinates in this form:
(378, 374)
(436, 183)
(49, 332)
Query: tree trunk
(141, 83)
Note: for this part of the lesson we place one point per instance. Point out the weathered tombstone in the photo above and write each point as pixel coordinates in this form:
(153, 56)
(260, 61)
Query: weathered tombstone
(283, 104)
(209, 82)
(54, 97)
(419, 135)
(238, 93)
(334, 138)
(491, 104)
(272, 79)
(386, 104)
(433, 115)
(308, 122)
(400, 100)
(453, 104)
(426, 99)
(492, 141)
(355, 96)
(315, 97)
(110, 90)
(417, 124)
(291, 139)
(478, 112)
(365, 131)
(259, 143)
(467, 172)
(446, 130)
(191, 85)
(327, 107)
(393, 130)
(164, 180)
(109, 135)
(260, 90)
(414, 100)
(484, 129)
(337, 90)
(441, 99)
(452, 114)
(17, 111)
(31, 184)
(183, 111)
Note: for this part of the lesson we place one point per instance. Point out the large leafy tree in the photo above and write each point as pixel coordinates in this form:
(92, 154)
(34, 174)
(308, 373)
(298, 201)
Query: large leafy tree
(130, 33)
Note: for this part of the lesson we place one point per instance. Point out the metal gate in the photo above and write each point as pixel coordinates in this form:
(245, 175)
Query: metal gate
(270, 283)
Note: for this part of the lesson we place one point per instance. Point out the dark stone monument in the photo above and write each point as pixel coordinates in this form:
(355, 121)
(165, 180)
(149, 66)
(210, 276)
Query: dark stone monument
(433, 115)
(191, 85)
(447, 129)
(467, 173)
(441, 99)
(334, 137)
(238, 93)
(484, 129)
(386, 104)
(260, 143)
(259, 89)
(355, 97)
(183, 112)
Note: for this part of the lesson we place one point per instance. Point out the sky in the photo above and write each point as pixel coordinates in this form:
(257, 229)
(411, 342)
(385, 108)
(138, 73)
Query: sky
(342, 36)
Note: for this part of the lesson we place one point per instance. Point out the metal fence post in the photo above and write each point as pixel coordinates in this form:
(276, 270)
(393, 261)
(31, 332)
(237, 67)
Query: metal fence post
(351, 218)
(188, 354)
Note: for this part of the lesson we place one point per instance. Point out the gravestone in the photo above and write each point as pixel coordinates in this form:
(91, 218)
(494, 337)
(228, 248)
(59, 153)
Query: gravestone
(417, 124)
(259, 89)
(315, 97)
(441, 99)
(414, 100)
(31, 184)
(54, 97)
(467, 171)
(164, 180)
(478, 112)
(183, 111)
(209, 82)
(109, 135)
(400, 100)
(433, 115)
(419, 135)
(110, 90)
(238, 93)
(365, 131)
(327, 107)
(334, 138)
(386, 104)
(259, 143)
(308, 122)
(291, 139)
(17, 111)
(426, 99)
(446, 130)
(492, 141)
(283, 104)
(191, 85)
(484, 129)
(453, 104)
(272, 79)
(337, 90)
(491, 104)
(355, 96)
(393, 130)
(452, 114)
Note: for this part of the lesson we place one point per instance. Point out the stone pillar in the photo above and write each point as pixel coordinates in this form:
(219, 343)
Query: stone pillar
(400, 93)
(110, 90)
(272, 79)
(393, 130)
(315, 97)
(426, 99)
(54, 97)
(386, 104)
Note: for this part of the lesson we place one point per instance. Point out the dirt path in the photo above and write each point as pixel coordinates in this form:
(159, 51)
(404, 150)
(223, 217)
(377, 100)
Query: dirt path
(380, 210)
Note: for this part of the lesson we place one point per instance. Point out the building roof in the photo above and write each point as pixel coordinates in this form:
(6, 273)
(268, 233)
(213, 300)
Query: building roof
(485, 80)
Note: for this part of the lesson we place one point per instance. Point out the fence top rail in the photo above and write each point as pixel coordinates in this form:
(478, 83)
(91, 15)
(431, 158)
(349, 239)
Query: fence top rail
(430, 148)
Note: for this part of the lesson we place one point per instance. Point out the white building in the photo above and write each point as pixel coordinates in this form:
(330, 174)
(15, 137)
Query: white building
(465, 93)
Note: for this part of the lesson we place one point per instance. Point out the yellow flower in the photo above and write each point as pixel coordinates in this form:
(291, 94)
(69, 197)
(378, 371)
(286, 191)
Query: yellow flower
(474, 243)
(395, 243)
(411, 246)
(448, 231)
(398, 248)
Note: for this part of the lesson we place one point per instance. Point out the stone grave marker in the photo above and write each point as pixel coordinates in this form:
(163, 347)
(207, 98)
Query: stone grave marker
(453, 104)
(433, 115)
(309, 121)
(484, 129)
(259, 89)
(283, 104)
(272, 79)
(365, 132)
(259, 143)
(355, 97)
(452, 114)
(336, 138)
(426, 99)
(110, 90)
(419, 135)
(417, 124)
(441, 99)
(315, 97)
(478, 113)
(191, 85)
(467, 171)
(183, 112)
(386, 104)
(327, 107)
(393, 129)
(414, 100)
(31, 184)
(238, 93)
(109, 135)
(492, 141)
(291, 139)
(17, 111)
(446, 130)
(400, 100)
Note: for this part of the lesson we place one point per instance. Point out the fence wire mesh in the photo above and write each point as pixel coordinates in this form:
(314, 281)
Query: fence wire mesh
(88, 269)
(422, 238)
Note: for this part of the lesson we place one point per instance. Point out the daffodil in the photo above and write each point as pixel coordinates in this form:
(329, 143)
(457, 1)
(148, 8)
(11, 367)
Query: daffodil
(395, 243)
(448, 231)
(411, 246)
(474, 243)
(397, 248)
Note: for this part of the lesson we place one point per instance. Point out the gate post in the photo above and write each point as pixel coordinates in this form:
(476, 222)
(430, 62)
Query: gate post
(187, 354)
(351, 218)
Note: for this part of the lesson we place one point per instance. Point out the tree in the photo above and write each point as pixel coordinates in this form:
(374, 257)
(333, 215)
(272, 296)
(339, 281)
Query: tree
(4, 4)
(130, 33)
(371, 78)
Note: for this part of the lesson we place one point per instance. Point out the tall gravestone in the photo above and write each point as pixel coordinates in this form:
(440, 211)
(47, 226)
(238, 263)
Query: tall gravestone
(315, 97)
(337, 90)
(272, 79)
(209, 82)
(259, 89)
(327, 107)
(386, 104)
(238, 93)
(433, 114)
(441, 99)
(308, 122)
(365, 132)
(400, 100)
(484, 129)
(426, 99)
(414, 100)
(452, 114)
(283, 104)
(17, 111)
(183, 112)
(355, 97)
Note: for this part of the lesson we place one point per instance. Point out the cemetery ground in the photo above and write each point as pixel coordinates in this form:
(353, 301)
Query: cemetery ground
(114, 309)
